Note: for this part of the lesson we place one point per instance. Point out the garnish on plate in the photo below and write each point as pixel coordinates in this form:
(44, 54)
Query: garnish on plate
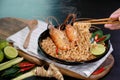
(98, 42)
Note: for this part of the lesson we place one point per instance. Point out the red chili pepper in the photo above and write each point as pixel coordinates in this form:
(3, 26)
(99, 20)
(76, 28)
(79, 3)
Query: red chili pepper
(96, 37)
(98, 71)
(57, 51)
(100, 39)
(25, 64)
(26, 68)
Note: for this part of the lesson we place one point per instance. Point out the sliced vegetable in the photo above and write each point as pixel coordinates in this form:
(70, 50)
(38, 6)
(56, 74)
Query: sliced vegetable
(97, 49)
(101, 39)
(100, 70)
(99, 33)
(26, 68)
(10, 52)
(96, 37)
(10, 63)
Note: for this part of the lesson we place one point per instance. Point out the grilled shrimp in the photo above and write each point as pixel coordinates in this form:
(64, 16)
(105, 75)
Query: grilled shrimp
(71, 33)
(59, 38)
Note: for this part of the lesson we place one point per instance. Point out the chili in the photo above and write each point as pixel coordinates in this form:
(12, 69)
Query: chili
(98, 71)
(96, 37)
(25, 64)
(100, 39)
(57, 51)
(26, 68)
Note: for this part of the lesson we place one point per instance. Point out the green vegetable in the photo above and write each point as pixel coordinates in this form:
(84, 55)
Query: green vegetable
(102, 39)
(98, 36)
(26, 75)
(3, 44)
(10, 72)
(10, 63)
(107, 36)
(99, 33)
(1, 56)
(38, 71)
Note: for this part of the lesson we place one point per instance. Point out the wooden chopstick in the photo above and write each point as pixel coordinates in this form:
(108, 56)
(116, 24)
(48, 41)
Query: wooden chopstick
(102, 21)
(105, 22)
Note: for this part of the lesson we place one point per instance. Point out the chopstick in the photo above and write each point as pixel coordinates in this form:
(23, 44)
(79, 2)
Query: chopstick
(102, 21)
(105, 22)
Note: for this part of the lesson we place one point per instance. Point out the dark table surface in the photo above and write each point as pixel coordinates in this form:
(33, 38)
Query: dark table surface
(88, 9)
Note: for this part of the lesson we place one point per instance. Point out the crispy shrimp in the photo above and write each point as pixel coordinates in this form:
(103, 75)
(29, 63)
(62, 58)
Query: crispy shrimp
(71, 33)
(59, 38)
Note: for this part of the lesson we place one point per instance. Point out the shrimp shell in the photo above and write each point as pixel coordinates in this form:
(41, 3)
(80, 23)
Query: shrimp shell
(59, 38)
(71, 33)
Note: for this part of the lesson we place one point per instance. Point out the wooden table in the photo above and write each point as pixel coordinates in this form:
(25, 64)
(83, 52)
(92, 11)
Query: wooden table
(9, 26)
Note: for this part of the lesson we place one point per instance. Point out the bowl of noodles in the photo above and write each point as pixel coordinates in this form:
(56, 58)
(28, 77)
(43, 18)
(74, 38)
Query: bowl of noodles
(74, 44)
(80, 53)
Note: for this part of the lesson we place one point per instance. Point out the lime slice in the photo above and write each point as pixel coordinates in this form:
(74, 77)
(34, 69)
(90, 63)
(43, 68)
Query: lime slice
(1, 56)
(97, 49)
(3, 44)
(10, 52)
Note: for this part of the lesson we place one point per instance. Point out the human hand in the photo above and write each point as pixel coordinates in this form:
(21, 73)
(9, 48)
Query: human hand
(115, 26)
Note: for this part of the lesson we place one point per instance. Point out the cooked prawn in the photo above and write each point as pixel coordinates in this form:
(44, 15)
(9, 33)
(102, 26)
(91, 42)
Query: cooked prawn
(59, 38)
(71, 33)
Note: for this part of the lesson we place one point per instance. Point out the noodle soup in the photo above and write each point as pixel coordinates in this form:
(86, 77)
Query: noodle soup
(79, 50)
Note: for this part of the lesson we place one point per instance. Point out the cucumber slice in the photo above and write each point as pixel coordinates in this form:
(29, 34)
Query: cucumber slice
(97, 49)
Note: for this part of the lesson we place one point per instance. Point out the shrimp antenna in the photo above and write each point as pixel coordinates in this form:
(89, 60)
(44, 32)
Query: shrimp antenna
(70, 19)
(50, 18)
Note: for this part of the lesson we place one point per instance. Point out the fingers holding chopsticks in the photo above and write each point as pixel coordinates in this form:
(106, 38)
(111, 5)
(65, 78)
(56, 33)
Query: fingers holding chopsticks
(114, 26)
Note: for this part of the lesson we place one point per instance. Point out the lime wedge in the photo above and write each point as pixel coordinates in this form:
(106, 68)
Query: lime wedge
(97, 49)
(1, 56)
(3, 44)
(10, 52)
